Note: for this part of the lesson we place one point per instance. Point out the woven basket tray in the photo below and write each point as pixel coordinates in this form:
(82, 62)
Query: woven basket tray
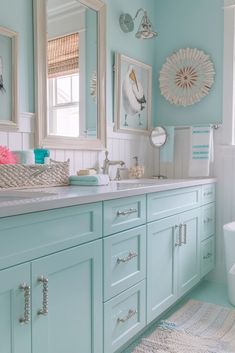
(35, 175)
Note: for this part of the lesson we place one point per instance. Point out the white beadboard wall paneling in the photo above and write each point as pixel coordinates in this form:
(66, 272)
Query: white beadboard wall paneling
(120, 146)
(60, 155)
(178, 168)
(178, 158)
(28, 141)
(24, 137)
(124, 147)
(225, 202)
(15, 141)
(69, 154)
(3, 138)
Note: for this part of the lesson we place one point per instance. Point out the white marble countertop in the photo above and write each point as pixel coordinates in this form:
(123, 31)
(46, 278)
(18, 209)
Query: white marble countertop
(65, 196)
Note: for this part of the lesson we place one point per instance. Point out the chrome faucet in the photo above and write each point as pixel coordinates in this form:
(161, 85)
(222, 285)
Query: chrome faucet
(107, 163)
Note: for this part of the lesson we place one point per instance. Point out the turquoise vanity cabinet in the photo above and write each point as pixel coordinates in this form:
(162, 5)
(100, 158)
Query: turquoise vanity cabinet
(67, 301)
(52, 303)
(124, 270)
(207, 253)
(161, 266)
(177, 256)
(88, 278)
(15, 308)
(173, 262)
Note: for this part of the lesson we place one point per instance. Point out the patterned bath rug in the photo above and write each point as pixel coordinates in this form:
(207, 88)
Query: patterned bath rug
(197, 327)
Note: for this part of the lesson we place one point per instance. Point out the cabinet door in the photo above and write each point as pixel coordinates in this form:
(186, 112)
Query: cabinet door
(189, 251)
(161, 266)
(67, 301)
(15, 328)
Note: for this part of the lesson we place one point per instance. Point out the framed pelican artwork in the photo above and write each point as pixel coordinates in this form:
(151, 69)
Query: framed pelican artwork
(133, 86)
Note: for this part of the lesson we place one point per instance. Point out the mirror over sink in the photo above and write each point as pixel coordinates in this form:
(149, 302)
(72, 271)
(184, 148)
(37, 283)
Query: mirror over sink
(70, 58)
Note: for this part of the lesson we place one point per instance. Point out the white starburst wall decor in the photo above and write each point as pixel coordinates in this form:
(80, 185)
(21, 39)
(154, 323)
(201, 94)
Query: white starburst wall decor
(186, 77)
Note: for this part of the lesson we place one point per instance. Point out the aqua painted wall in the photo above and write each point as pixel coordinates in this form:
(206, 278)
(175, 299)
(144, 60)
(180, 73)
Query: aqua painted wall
(18, 16)
(190, 23)
(194, 24)
(142, 50)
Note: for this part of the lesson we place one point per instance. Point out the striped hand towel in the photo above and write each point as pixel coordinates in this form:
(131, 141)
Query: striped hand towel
(202, 151)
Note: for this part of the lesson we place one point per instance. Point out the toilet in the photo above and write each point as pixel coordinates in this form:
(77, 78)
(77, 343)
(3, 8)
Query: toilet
(229, 241)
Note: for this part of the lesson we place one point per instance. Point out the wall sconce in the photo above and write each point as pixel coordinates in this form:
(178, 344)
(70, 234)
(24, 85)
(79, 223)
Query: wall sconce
(145, 30)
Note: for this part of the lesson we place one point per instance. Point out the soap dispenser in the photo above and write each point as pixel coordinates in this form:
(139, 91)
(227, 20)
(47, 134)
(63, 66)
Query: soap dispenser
(137, 171)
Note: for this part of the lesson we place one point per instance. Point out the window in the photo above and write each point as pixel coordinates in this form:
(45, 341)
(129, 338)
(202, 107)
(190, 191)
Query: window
(63, 85)
(64, 105)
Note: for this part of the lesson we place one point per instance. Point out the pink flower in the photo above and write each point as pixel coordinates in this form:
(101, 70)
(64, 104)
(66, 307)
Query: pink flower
(6, 156)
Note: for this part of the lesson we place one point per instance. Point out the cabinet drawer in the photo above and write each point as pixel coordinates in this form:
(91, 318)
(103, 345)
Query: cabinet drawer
(125, 213)
(208, 221)
(207, 256)
(164, 204)
(25, 237)
(124, 260)
(208, 193)
(124, 317)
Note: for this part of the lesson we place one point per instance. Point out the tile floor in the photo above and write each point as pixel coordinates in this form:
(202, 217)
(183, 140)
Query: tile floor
(206, 291)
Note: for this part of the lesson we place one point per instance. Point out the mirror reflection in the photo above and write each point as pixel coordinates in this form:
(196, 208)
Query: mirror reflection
(158, 136)
(71, 69)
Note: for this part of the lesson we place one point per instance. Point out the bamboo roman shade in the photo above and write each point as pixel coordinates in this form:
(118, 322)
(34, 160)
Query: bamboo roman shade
(63, 55)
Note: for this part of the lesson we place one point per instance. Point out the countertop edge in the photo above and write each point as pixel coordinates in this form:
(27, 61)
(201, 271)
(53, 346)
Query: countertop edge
(56, 202)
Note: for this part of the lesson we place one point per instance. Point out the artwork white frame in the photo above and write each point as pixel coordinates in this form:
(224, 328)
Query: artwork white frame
(131, 123)
(12, 124)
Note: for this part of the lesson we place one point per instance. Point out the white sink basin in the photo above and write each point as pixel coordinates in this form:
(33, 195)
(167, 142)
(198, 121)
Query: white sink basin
(137, 183)
(140, 181)
(11, 195)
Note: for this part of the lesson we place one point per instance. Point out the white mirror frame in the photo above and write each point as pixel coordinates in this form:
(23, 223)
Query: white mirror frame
(40, 40)
(13, 123)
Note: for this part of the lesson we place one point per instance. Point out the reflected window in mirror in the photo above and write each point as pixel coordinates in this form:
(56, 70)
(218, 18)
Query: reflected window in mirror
(70, 67)
(63, 86)
(71, 61)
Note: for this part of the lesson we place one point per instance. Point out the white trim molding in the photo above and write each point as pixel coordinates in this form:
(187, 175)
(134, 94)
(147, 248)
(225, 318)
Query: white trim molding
(229, 3)
(228, 133)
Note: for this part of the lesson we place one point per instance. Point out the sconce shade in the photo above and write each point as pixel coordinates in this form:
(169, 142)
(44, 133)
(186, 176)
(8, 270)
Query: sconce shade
(145, 30)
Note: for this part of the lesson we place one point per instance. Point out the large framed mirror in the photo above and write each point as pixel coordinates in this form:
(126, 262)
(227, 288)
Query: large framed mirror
(70, 65)
(9, 92)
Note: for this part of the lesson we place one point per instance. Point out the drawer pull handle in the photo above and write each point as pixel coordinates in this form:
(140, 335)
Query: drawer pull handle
(44, 281)
(184, 227)
(208, 220)
(179, 241)
(209, 193)
(130, 314)
(130, 256)
(127, 212)
(26, 318)
(206, 257)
